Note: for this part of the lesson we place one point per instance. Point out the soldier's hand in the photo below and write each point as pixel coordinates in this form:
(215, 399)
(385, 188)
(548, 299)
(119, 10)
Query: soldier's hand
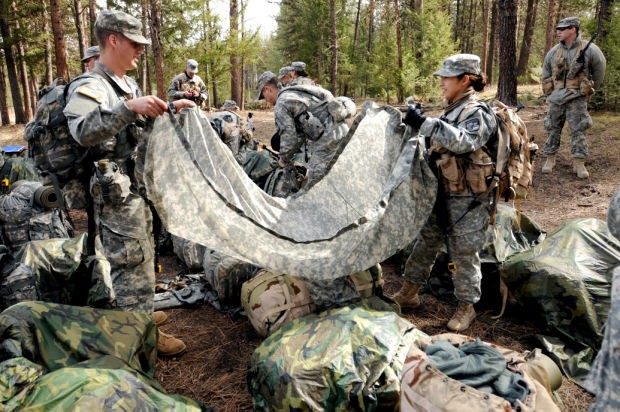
(188, 94)
(195, 93)
(151, 106)
(182, 104)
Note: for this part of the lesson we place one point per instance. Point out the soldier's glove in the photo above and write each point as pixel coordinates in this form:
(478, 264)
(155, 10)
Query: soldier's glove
(414, 117)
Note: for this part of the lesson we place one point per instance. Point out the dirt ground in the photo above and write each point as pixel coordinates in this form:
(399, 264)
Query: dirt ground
(214, 367)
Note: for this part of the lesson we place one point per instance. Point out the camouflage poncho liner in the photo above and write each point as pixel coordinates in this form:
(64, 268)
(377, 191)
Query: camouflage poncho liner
(345, 359)
(60, 357)
(374, 200)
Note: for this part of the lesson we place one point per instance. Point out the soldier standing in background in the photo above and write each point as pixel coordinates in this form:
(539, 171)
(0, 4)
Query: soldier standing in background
(300, 75)
(573, 69)
(188, 85)
(105, 112)
(284, 76)
(90, 57)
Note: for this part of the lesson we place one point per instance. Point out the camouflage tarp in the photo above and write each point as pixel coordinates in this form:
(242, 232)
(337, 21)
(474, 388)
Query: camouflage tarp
(565, 283)
(60, 271)
(373, 202)
(60, 357)
(345, 359)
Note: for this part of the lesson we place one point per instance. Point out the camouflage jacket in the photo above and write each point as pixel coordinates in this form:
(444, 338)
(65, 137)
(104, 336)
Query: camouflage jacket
(303, 81)
(182, 83)
(98, 117)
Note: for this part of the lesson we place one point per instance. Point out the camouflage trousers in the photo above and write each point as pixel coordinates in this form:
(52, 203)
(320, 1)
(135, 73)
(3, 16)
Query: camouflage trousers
(465, 246)
(125, 226)
(576, 113)
(330, 293)
(604, 379)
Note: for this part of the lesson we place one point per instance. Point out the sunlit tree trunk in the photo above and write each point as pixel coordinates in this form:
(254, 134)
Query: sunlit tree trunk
(507, 82)
(156, 44)
(492, 43)
(550, 29)
(485, 33)
(528, 34)
(92, 17)
(11, 68)
(235, 61)
(49, 66)
(59, 40)
(4, 107)
(23, 72)
(79, 26)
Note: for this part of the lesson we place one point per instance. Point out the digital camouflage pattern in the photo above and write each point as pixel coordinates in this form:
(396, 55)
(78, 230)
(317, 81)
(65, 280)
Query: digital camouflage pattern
(564, 283)
(576, 113)
(425, 387)
(343, 359)
(203, 195)
(182, 83)
(123, 219)
(234, 134)
(226, 274)
(188, 252)
(59, 271)
(74, 358)
(22, 219)
(13, 169)
(613, 214)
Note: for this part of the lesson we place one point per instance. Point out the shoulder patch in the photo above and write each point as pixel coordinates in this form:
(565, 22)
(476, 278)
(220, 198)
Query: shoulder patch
(472, 125)
(91, 92)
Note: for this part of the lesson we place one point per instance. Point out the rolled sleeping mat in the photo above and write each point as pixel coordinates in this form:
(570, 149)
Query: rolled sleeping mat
(47, 197)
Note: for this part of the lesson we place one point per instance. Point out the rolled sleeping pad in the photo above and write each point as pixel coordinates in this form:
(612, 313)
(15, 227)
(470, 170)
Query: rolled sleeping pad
(47, 197)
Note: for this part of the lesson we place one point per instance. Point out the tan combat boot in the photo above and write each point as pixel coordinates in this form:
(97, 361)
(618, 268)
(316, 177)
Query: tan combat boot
(407, 296)
(549, 164)
(462, 318)
(579, 167)
(168, 345)
(159, 317)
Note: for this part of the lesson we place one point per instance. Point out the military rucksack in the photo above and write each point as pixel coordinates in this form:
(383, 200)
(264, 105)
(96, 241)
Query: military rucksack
(50, 144)
(515, 154)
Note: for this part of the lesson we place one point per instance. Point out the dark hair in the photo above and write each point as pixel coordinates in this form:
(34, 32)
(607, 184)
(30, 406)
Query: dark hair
(477, 81)
(102, 36)
(302, 73)
(273, 81)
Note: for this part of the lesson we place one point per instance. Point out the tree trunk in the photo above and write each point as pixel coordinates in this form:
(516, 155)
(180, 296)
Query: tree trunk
(528, 34)
(399, 54)
(550, 29)
(471, 24)
(92, 16)
(492, 41)
(79, 26)
(59, 40)
(334, 47)
(18, 106)
(4, 107)
(156, 45)
(242, 70)
(485, 33)
(507, 82)
(144, 67)
(371, 19)
(235, 60)
(604, 18)
(49, 67)
(23, 71)
(457, 16)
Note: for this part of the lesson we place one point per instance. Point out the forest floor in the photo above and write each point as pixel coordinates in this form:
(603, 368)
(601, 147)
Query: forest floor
(219, 347)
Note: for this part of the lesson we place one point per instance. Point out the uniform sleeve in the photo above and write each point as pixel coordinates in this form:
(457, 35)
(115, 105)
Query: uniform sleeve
(174, 90)
(290, 141)
(203, 90)
(470, 134)
(597, 65)
(91, 120)
(547, 69)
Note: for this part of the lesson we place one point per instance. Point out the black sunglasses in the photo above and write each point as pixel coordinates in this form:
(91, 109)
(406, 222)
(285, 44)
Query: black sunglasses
(564, 28)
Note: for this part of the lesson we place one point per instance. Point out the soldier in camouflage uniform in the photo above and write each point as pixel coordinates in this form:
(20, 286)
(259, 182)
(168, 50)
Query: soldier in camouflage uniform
(568, 86)
(285, 76)
(299, 75)
(604, 378)
(293, 125)
(457, 143)
(188, 85)
(102, 113)
(13, 169)
(90, 57)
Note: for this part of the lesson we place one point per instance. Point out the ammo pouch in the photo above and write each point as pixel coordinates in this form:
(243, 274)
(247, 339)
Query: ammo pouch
(310, 125)
(479, 168)
(547, 86)
(452, 173)
(586, 87)
(109, 185)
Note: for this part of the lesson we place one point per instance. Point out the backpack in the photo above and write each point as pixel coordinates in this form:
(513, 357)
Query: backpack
(50, 145)
(515, 154)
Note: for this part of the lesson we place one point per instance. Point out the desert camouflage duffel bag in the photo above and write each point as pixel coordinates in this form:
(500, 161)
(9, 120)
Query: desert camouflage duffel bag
(271, 299)
(451, 372)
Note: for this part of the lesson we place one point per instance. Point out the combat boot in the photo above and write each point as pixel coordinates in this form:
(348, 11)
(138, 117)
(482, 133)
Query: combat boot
(407, 296)
(462, 318)
(159, 317)
(549, 164)
(168, 345)
(579, 167)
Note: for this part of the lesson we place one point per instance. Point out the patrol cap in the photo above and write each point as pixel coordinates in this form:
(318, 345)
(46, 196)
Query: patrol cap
(92, 51)
(459, 64)
(123, 23)
(284, 71)
(299, 66)
(568, 22)
(192, 66)
(263, 79)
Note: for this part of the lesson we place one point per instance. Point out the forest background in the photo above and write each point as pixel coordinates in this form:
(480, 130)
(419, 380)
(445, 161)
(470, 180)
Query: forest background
(378, 49)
